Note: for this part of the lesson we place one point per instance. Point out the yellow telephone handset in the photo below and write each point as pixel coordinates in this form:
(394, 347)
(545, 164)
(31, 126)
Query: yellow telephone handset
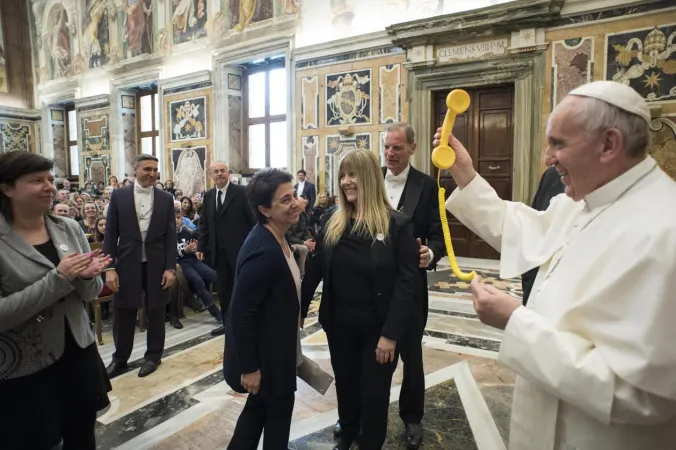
(443, 157)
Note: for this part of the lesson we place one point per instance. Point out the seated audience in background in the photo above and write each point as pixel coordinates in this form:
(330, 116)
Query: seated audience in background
(100, 229)
(178, 194)
(169, 186)
(112, 181)
(126, 182)
(53, 382)
(79, 201)
(159, 185)
(200, 276)
(320, 208)
(300, 236)
(186, 221)
(62, 196)
(100, 186)
(61, 209)
(89, 214)
(262, 333)
(74, 211)
(368, 252)
(188, 208)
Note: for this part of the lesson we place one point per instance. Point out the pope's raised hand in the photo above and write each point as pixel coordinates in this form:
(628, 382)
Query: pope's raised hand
(463, 169)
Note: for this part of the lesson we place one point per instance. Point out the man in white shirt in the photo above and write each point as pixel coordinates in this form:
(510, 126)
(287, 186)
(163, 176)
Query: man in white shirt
(594, 348)
(141, 238)
(304, 187)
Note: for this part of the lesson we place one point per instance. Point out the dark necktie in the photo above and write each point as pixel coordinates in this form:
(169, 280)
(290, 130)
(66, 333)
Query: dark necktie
(220, 199)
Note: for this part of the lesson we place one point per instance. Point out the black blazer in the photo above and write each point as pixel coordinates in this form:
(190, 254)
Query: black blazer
(224, 230)
(262, 321)
(550, 186)
(123, 241)
(395, 263)
(420, 201)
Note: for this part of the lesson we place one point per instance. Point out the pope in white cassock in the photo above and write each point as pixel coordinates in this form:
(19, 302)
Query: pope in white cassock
(595, 349)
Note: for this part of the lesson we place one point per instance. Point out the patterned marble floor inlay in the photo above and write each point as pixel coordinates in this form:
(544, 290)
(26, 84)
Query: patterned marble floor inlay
(186, 404)
(445, 281)
(445, 425)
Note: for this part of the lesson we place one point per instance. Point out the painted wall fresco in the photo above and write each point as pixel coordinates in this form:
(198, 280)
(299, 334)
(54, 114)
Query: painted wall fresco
(138, 35)
(96, 33)
(644, 59)
(310, 160)
(572, 66)
(189, 20)
(129, 131)
(247, 12)
(309, 107)
(389, 83)
(97, 168)
(188, 119)
(190, 169)
(59, 43)
(95, 132)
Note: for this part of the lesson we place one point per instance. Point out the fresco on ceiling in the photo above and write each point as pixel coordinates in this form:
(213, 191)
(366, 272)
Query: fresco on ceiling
(244, 13)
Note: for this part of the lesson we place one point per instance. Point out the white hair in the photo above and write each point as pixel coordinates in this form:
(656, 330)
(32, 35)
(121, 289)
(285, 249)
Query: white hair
(597, 115)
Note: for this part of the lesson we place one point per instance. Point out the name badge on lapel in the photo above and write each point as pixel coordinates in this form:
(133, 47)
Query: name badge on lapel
(63, 247)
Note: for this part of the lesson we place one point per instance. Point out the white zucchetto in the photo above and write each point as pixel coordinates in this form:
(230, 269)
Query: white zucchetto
(616, 94)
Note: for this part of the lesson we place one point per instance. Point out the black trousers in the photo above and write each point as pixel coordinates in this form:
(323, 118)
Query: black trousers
(124, 326)
(269, 413)
(412, 396)
(226, 280)
(199, 277)
(362, 384)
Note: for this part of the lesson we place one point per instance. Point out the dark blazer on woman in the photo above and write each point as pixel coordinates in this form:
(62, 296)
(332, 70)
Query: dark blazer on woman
(123, 243)
(262, 322)
(395, 262)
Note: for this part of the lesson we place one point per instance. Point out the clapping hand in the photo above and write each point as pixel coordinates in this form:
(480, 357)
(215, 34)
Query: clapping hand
(191, 247)
(98, 264)
(73, 265)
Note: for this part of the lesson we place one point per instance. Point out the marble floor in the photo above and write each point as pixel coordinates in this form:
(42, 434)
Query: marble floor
(186, 404)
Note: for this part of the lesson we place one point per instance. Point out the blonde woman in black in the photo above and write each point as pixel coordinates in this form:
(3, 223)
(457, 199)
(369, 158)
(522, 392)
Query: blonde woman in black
(368, 258)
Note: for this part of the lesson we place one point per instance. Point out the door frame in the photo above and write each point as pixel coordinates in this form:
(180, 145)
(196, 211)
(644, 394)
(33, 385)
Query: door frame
(526, 71)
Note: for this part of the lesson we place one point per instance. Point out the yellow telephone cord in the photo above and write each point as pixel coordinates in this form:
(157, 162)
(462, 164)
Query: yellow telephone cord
(443, 157)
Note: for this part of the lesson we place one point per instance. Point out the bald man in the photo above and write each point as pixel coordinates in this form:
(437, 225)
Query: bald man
(594, 348)
(225, 223)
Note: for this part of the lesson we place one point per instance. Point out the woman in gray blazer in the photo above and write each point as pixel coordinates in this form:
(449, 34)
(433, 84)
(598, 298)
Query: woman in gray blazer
(52, 379)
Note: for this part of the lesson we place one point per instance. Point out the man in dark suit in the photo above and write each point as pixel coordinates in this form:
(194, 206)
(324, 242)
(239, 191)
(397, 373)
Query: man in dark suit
(306, 189)
(550, 186)
(141, 238)
(225, 222)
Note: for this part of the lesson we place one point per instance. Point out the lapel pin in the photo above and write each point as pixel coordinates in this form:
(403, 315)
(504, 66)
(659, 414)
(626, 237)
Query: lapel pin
(380, 237)
(63, 247)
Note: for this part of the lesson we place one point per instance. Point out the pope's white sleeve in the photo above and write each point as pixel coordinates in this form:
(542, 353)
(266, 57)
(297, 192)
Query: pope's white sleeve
(571, 368)
(515, 230)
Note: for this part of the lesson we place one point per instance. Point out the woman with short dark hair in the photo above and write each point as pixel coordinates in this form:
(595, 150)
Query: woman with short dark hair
(52, 379)
(262, 333)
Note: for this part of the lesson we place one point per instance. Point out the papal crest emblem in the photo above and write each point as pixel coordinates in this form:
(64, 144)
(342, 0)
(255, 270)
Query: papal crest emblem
(348, 98)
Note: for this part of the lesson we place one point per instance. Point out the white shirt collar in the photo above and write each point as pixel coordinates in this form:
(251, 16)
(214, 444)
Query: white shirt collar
(611, 191)
(141, 190)
(224, 188)
(403, 176)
